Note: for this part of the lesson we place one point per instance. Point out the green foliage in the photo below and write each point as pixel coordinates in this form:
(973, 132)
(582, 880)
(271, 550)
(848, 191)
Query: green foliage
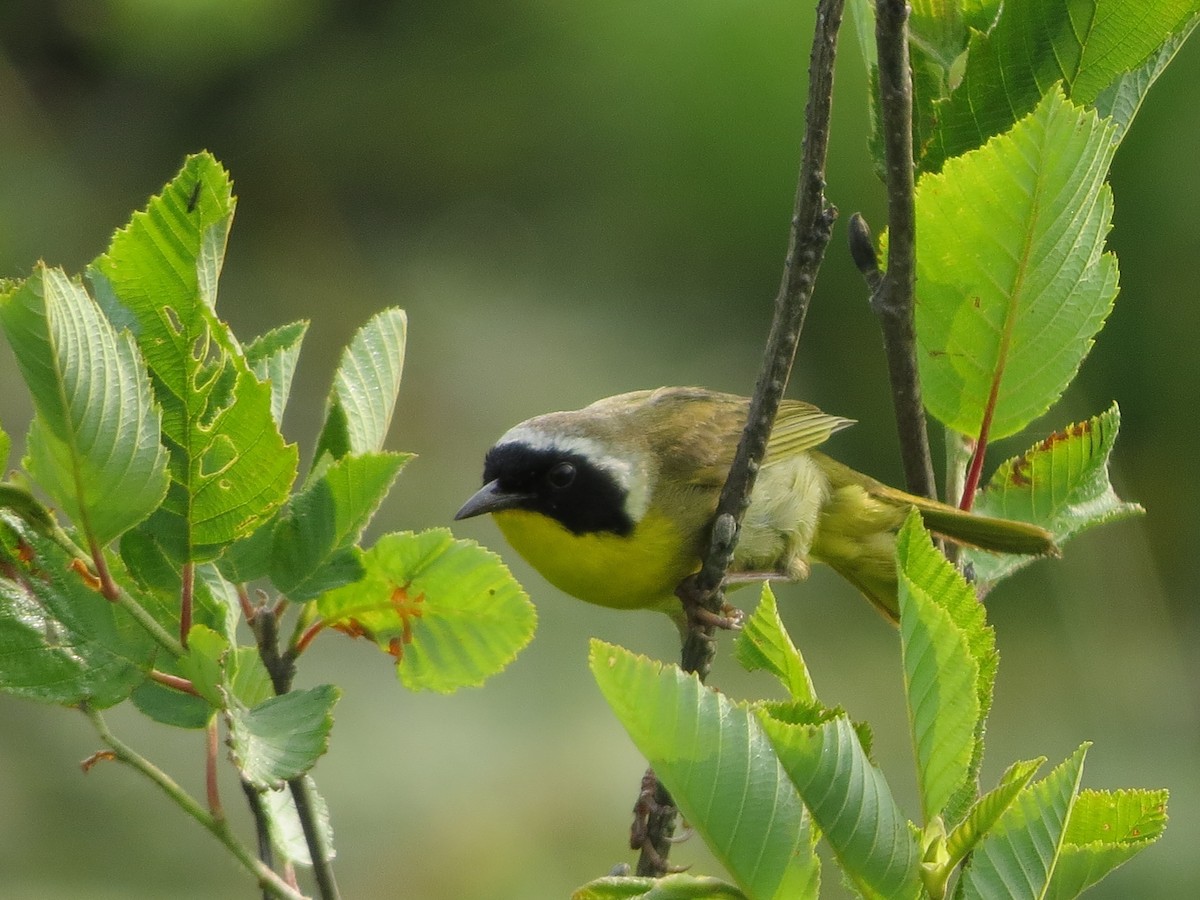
(159, 437)
(1012, 282)
(677, 886)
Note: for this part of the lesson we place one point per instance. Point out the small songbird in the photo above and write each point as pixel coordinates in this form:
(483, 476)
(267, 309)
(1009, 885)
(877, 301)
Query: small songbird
(613, 503)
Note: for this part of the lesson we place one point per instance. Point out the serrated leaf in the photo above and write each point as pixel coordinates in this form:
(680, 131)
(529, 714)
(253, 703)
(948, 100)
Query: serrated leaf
(712, 755)
(1061, 483)
(1012, 280)
(924, 571)
(942, 676)
(230, 467)
(676, 886)
(448, 610)
(763, 643)
(851, 803)
(364, 389)
(282, 737)
(94, 443)
(988, 808)
(1106, 829)
(312, 539)
(1086, 46)
(1016, 857)
(272, 357)
(60, 640)
(287, 833)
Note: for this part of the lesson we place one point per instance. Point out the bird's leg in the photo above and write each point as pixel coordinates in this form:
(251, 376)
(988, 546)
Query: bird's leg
(698, 615)
(653, 827)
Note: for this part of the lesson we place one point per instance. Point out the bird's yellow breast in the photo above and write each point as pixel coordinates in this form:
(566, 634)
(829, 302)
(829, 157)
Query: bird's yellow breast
(637, 571)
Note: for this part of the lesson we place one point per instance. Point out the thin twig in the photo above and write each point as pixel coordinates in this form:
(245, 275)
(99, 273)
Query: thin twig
(892, 295)
(811, 228)
(219, 828)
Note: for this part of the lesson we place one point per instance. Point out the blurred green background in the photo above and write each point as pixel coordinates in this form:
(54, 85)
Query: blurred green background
(571, 200)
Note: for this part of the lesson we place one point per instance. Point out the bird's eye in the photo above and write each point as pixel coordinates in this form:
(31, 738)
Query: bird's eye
(561, 475)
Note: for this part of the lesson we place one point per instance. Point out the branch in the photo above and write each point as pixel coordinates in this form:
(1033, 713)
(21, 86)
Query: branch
(218, 827)
(892, 292)
(812, 226)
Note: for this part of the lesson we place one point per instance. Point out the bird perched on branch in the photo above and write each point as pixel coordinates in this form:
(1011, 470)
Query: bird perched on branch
(613, 503)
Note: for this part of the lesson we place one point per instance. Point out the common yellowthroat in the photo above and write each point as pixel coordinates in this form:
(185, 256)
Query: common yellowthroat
(613, 503)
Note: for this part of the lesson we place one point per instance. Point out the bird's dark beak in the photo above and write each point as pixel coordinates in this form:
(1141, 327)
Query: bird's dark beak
(490, 498)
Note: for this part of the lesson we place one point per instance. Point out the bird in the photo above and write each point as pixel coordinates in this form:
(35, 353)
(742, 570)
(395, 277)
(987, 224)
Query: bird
(613, 503)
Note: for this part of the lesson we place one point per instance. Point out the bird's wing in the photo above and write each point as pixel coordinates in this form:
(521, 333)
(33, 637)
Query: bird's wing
(800, 426)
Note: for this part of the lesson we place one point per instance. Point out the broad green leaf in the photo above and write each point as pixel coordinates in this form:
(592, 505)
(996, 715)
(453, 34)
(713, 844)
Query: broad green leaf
(1105, 830)
(94, 443)
(1012, 280)
(230, 467)
(676, 886)
(851, 803)
(715, 760)
(448, 610)
(204, 664)
(990, 807)
(287, 834)
(1122, 99)
(1061, 483)
(1085, 46)
(764, 643)
(272, 357)
(946, 699)
(1016, 857)
(60, 640)
(314, 537)
(364, 389)
(282, 737)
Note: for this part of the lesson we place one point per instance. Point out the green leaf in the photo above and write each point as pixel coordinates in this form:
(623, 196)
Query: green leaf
(764, 643)
(5, 449)
(1016, 857)
(1085, 45)
(230, 467)
(1105, 830)
(1012, 282)
(851, 803)
(676, 886)
(287, 833)
(447, 609)
(949, 667)
(988, 808)
(272, 358)
(204, 664)
(364, 389)
(94, 443)
(60, 640)
(282, 737)
(1061, 483)
(314, 538)
(712, 755)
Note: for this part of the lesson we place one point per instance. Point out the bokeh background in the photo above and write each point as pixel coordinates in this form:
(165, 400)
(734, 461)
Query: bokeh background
(571, 200)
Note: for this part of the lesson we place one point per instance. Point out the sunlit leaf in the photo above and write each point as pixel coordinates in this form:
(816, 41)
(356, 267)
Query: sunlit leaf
(230, 467)
(990, 807)
(1012, 281)
(763, 643)
(1016, 857)
(448, 610)
(1105, 830)
(272, 357)
(94, 443)
(1061, 483)
(364, 392)
(712, 755)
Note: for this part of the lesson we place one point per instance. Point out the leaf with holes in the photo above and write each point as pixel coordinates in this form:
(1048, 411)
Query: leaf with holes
(230, 467)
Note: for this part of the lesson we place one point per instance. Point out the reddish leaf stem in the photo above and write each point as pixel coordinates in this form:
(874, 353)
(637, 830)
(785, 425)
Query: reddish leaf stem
(174, 682)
